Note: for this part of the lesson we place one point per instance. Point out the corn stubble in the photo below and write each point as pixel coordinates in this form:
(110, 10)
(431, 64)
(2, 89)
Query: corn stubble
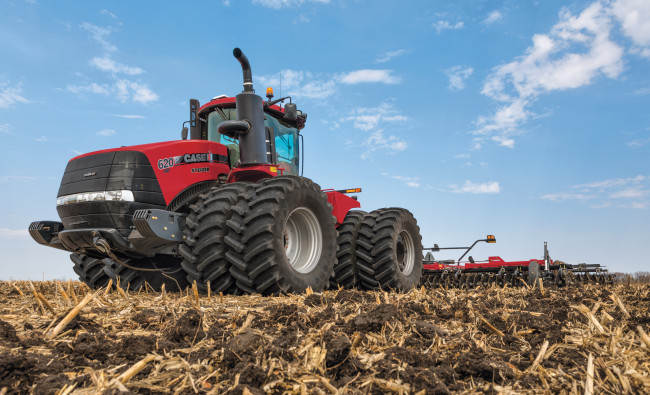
(63, 338)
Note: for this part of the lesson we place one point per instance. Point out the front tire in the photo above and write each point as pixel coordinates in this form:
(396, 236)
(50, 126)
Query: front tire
(286, 239)
(203, 250)
(91, 270)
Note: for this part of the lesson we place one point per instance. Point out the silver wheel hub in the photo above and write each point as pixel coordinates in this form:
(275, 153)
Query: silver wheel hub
(303, 240)
(405, 253)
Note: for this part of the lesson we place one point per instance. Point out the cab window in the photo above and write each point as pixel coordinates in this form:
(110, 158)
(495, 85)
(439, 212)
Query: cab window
(286, 139)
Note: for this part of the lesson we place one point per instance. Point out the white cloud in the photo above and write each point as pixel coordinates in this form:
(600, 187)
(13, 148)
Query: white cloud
(366, 119)
(373, 76)
(10, 95)
(442, 25)
(634, 17)
(300, 84)
(14, 234)
(131, 116)
(387, 56)
(277, 4)
(5, 179)
(99, 35)
(629, 192)
(41, 139)
(226, 3)
(492, 17)
(491, 187)
(107, 12)
(457, 76)
(613, 182)
(577, 50)
(121, 88)
(109, 65)
(5, 129)
(413, 182)
(638, 143)
(319, 86)
(377, 141)
(106, 132)
(373, 121)
(562, 196)
(461, 156)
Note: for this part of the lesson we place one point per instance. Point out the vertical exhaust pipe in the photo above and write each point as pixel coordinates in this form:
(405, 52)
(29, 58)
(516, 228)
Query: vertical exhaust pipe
(249, 127)
(246, 69)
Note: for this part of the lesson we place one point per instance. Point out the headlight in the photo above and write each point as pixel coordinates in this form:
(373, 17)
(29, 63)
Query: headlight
(120, 196)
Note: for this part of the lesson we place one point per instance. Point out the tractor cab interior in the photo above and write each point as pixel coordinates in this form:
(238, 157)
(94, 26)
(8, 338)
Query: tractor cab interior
(286, 139)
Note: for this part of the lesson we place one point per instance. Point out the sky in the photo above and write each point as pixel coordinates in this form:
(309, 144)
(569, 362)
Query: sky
(524, 119)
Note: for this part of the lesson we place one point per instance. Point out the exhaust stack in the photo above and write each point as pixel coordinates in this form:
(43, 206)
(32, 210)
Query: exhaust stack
(249, 127)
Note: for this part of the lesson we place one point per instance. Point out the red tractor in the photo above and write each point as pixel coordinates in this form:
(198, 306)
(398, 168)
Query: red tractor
(227, 209)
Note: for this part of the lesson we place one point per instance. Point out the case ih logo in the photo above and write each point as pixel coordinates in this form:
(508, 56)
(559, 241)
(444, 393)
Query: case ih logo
(187, 159)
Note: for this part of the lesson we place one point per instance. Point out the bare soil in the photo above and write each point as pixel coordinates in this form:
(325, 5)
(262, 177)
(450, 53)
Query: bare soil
(494, 340)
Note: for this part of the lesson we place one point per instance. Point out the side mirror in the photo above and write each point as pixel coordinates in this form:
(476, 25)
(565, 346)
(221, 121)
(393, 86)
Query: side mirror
(290, 112)
(184, 133)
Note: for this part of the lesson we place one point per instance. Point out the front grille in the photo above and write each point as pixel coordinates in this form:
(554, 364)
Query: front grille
(109, 171)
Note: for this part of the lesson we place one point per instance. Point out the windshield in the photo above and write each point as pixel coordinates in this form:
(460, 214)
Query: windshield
(286, 139)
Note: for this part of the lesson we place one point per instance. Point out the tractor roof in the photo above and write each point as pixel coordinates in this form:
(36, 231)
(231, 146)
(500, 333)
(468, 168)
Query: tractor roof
(229, 102)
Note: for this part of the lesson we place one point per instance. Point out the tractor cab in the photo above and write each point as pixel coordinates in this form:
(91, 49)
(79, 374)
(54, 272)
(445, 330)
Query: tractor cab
(283, 136)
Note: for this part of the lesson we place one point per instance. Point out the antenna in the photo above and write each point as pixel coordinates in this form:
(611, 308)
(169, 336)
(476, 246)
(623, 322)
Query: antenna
(280, 83)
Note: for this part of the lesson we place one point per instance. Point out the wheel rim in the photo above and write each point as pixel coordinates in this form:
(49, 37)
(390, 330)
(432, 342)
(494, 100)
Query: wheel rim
(303, 240)
(405, 253)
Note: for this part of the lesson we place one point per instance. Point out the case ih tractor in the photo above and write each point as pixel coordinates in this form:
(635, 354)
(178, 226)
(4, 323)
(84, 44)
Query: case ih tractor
(227, 209)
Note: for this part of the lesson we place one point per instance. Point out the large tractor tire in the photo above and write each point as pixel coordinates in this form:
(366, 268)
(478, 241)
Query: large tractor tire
(345, 268)
(389, 250)
(91, 270)
(133, 274)
(285, 240)
(203, 249)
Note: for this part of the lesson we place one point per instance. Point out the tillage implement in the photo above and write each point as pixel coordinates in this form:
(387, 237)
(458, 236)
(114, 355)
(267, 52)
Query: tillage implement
(473, 274)
(227, 209)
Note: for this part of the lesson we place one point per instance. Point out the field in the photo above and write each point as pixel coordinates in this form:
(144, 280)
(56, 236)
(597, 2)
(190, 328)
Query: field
(590, 339)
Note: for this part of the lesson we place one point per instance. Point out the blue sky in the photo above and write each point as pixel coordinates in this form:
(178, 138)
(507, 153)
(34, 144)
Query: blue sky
(527, 120)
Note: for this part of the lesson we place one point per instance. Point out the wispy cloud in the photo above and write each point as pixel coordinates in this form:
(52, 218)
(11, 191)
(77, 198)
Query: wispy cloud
(629, 192)
(131, 116)
(109, 65)
(638, 143)
(366, 119)
(369, 76)
(118, 85)
(443, 25)
(5, 129)
(107, 12)
(10, 95)
(576, 51)
(277, 4)
(493, 17)
(14, 234)
(11, 179)
(323, 85)
(413, 182)
(388, 56)
(106, 132)
(491, 187)
(99, 34)
(372, 121)
(457, 76)
(41, 139)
